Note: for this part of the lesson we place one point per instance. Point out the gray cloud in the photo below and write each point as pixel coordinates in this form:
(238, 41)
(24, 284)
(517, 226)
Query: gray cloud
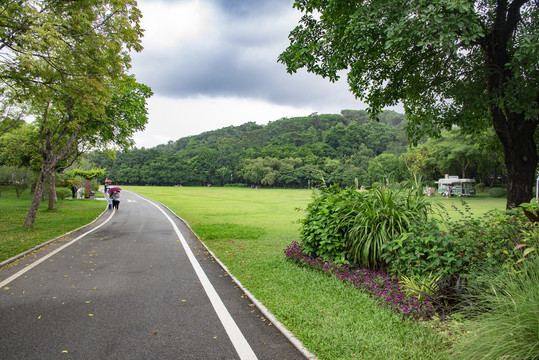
(238, 58)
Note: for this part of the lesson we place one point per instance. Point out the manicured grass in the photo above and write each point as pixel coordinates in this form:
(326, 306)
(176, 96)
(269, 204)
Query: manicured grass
(332, 319)
(15, 239)
(478, 205)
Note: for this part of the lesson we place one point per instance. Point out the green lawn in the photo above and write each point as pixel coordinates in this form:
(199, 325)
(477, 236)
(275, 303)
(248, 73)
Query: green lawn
(15, 239)
(478, 205)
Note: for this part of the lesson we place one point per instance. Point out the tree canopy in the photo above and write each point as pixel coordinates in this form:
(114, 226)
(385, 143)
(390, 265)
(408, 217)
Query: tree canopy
(66, 63)
(470, 63)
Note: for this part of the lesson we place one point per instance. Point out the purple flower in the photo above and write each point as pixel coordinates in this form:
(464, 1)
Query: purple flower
(379, 286)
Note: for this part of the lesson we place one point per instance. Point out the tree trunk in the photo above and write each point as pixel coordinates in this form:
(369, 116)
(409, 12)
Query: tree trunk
(515, 132)
(52, 190)
(36, 199)
(87, 188)
(520, 151)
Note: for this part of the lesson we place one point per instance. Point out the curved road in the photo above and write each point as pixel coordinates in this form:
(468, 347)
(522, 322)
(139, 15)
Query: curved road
(136, 284)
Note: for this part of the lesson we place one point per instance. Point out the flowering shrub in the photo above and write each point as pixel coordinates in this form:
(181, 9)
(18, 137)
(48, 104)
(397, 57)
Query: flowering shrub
(498, 239)
(380, 286)
(424, 251)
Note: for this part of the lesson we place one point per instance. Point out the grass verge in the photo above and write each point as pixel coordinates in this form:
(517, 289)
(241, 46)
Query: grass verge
(69, 215)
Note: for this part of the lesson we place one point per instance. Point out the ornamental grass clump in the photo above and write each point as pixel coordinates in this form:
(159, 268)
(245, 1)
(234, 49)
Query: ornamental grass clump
(375, 216)
(383, 287)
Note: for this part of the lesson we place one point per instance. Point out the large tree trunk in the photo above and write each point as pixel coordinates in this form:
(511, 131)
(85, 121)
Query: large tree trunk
(515, 132)
(52, 190)
(520, 151)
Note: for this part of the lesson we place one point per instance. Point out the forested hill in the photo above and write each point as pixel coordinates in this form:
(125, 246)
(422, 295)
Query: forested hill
(290, 152)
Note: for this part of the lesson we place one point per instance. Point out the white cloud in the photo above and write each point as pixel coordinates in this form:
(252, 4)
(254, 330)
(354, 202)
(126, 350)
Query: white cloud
(167, 25)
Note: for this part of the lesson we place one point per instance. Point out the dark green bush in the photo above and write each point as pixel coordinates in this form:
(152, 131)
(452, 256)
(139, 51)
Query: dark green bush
(497, 192)
(62, 193)
(424, 251)
(322, 233)
(499, 239)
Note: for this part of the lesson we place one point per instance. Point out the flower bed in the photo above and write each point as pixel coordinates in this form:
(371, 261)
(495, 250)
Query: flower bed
(380, 286)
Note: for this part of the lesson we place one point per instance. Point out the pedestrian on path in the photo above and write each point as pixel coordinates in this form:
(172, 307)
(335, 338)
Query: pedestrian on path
(116, 200)
(109, 198)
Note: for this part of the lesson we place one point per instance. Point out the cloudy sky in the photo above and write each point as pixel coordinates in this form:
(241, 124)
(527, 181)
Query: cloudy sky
(213, 63)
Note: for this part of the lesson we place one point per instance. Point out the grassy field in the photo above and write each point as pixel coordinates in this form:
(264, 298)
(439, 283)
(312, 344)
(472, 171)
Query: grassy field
(478, 205)
(15, 239)
(248, 229)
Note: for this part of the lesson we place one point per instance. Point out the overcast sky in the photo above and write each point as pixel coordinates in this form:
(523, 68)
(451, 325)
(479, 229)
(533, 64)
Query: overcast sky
(213, 63)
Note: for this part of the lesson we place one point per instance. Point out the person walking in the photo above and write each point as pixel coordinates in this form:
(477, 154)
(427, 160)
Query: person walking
(74, 191)
(116, 200)
(109, 199)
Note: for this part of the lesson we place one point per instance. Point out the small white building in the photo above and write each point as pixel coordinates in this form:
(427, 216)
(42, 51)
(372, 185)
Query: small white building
(459, 187)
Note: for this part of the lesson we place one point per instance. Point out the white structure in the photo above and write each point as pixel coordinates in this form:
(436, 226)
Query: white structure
(459, 187)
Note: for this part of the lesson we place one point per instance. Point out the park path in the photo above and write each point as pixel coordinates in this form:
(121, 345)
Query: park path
(139, 285)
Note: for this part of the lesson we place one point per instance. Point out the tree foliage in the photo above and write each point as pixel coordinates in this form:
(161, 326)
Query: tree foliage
(267, 155)
(67, 61)
(471, 63)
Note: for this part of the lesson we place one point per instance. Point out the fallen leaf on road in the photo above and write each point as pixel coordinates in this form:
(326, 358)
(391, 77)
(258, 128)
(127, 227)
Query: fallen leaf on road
(64, 352)
(90, 314)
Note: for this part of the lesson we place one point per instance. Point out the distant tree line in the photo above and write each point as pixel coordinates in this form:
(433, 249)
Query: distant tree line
(349, 149)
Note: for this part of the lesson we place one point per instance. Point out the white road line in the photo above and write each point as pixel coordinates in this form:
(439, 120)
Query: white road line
(37, 262)
(241, 345)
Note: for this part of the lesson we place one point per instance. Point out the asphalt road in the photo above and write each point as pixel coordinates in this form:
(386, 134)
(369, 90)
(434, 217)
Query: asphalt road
(139, 285)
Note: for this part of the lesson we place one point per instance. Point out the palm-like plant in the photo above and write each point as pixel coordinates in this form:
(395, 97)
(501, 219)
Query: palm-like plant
(376, 216)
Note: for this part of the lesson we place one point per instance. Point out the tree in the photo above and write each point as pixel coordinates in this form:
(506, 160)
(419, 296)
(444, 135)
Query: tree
(68, 65)
(387, 168)
(471, 63)
(455, 151)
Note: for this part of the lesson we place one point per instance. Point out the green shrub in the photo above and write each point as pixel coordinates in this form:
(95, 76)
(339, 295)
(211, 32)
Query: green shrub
(500, 239)
(322, 234)
(62, 193)
(497, 192)
(351, 226)
(235, 185)
(507, 327)
(424, 251)
(376, 216)
(94, 185)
